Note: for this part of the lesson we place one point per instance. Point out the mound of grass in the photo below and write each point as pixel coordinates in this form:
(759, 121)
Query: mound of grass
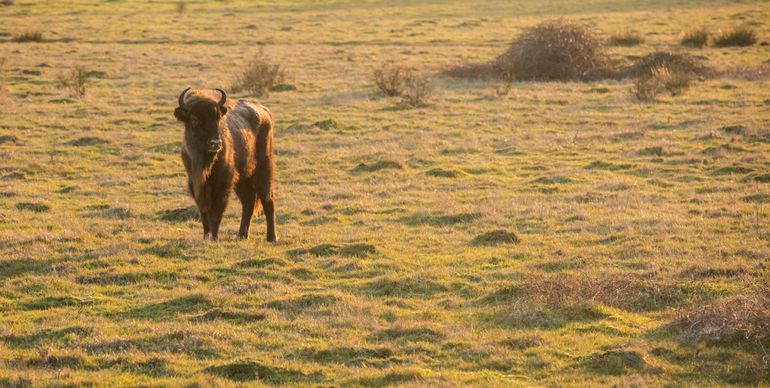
(189, 304)
(408, 334)
(399, 377)
(328, 124)
(28, 36)
(445, 173)
(9, 139)
(377, 166)
(695, 37)
(620, 291)
(745, 316)
(243, 371)
(359, 250)
(87, 141)
(440, 219)
(33, 207)
(179, 215)
(219, 314)
(346, 355)
(626, 38)
(616, 361)
(412, 286)
(50, 302)
(555, 50)
(496, 237)
(736, 37)
(303, 303)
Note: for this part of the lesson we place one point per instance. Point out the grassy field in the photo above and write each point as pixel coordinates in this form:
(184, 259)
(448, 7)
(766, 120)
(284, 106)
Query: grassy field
(629, 224)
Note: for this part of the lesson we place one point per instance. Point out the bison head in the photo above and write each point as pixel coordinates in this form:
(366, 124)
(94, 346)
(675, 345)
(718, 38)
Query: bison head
(201, 119)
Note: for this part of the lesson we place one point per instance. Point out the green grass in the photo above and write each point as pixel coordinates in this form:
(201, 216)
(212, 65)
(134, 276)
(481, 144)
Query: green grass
(552, 236)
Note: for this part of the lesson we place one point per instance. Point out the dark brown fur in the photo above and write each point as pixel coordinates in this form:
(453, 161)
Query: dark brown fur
(243, 162)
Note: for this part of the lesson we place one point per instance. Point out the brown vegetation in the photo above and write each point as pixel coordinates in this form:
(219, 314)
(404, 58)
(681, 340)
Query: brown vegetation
(75, 80)
(695, 37)
(28, 36)
(737, 36)
(258, 76)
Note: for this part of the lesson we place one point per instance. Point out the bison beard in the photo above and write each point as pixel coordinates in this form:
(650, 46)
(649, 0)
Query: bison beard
(228, 145)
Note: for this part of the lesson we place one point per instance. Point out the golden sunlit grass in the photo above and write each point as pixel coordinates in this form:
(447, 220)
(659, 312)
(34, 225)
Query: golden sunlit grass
(503, 232)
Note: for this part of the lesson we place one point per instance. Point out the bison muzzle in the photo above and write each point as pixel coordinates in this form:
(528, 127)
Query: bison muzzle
(228, 145)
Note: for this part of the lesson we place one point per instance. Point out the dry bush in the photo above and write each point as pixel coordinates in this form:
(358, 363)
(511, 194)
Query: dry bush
(390, 79)
(737, 36)
(417, 90)
(28, 36)
(505, 84)
(75, 80)
(695, 37)
(674, 62)
(626, 38)
(258, 76)
(746, 315)
(555, 51)
(661, 78)
(7, 2)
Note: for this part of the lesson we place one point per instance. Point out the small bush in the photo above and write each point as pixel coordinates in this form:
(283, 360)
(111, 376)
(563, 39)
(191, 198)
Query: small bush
(390, 79)
(648, 86)
(675, 62)
(626, 38)
(695, 37)
(737, 36)
(7, 2)
(181, 7)
(417, 90)
(75, 80)
(258, 76)
(28, 36)
(555, 51)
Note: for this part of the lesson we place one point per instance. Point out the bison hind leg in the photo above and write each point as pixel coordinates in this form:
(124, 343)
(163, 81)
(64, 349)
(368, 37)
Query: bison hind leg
(250, 204)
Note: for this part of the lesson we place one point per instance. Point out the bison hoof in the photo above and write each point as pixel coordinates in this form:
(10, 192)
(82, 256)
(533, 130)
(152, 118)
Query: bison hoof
(243, 236)
(272, 239)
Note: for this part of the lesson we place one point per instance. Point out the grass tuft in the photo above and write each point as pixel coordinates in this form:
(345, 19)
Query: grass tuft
(695, 37)
(736, 37)
(626, 38)
(28, 36)
(496, 237)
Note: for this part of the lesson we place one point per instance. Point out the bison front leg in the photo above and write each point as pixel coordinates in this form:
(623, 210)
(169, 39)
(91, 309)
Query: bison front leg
(205, 222)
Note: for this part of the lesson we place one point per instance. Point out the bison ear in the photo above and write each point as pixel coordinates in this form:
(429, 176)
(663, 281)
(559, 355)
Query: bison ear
(223, 109)
(180, 114)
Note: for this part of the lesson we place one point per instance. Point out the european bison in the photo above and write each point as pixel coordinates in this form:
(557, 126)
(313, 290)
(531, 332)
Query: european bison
(227, 145)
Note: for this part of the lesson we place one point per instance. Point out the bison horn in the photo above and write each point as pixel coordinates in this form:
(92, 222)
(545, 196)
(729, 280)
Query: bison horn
(181, 98)
(224, 96)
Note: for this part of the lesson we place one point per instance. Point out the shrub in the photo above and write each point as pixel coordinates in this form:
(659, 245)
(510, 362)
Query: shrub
(28, 36)
(737, 36)
(75, 80)
(417, 90)
(626, 38)
(258, 76)
(674, 62)
(555, 51)
(695, 37)
(390, 79)
(181, 7)
(661, 78)
(7, 2)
